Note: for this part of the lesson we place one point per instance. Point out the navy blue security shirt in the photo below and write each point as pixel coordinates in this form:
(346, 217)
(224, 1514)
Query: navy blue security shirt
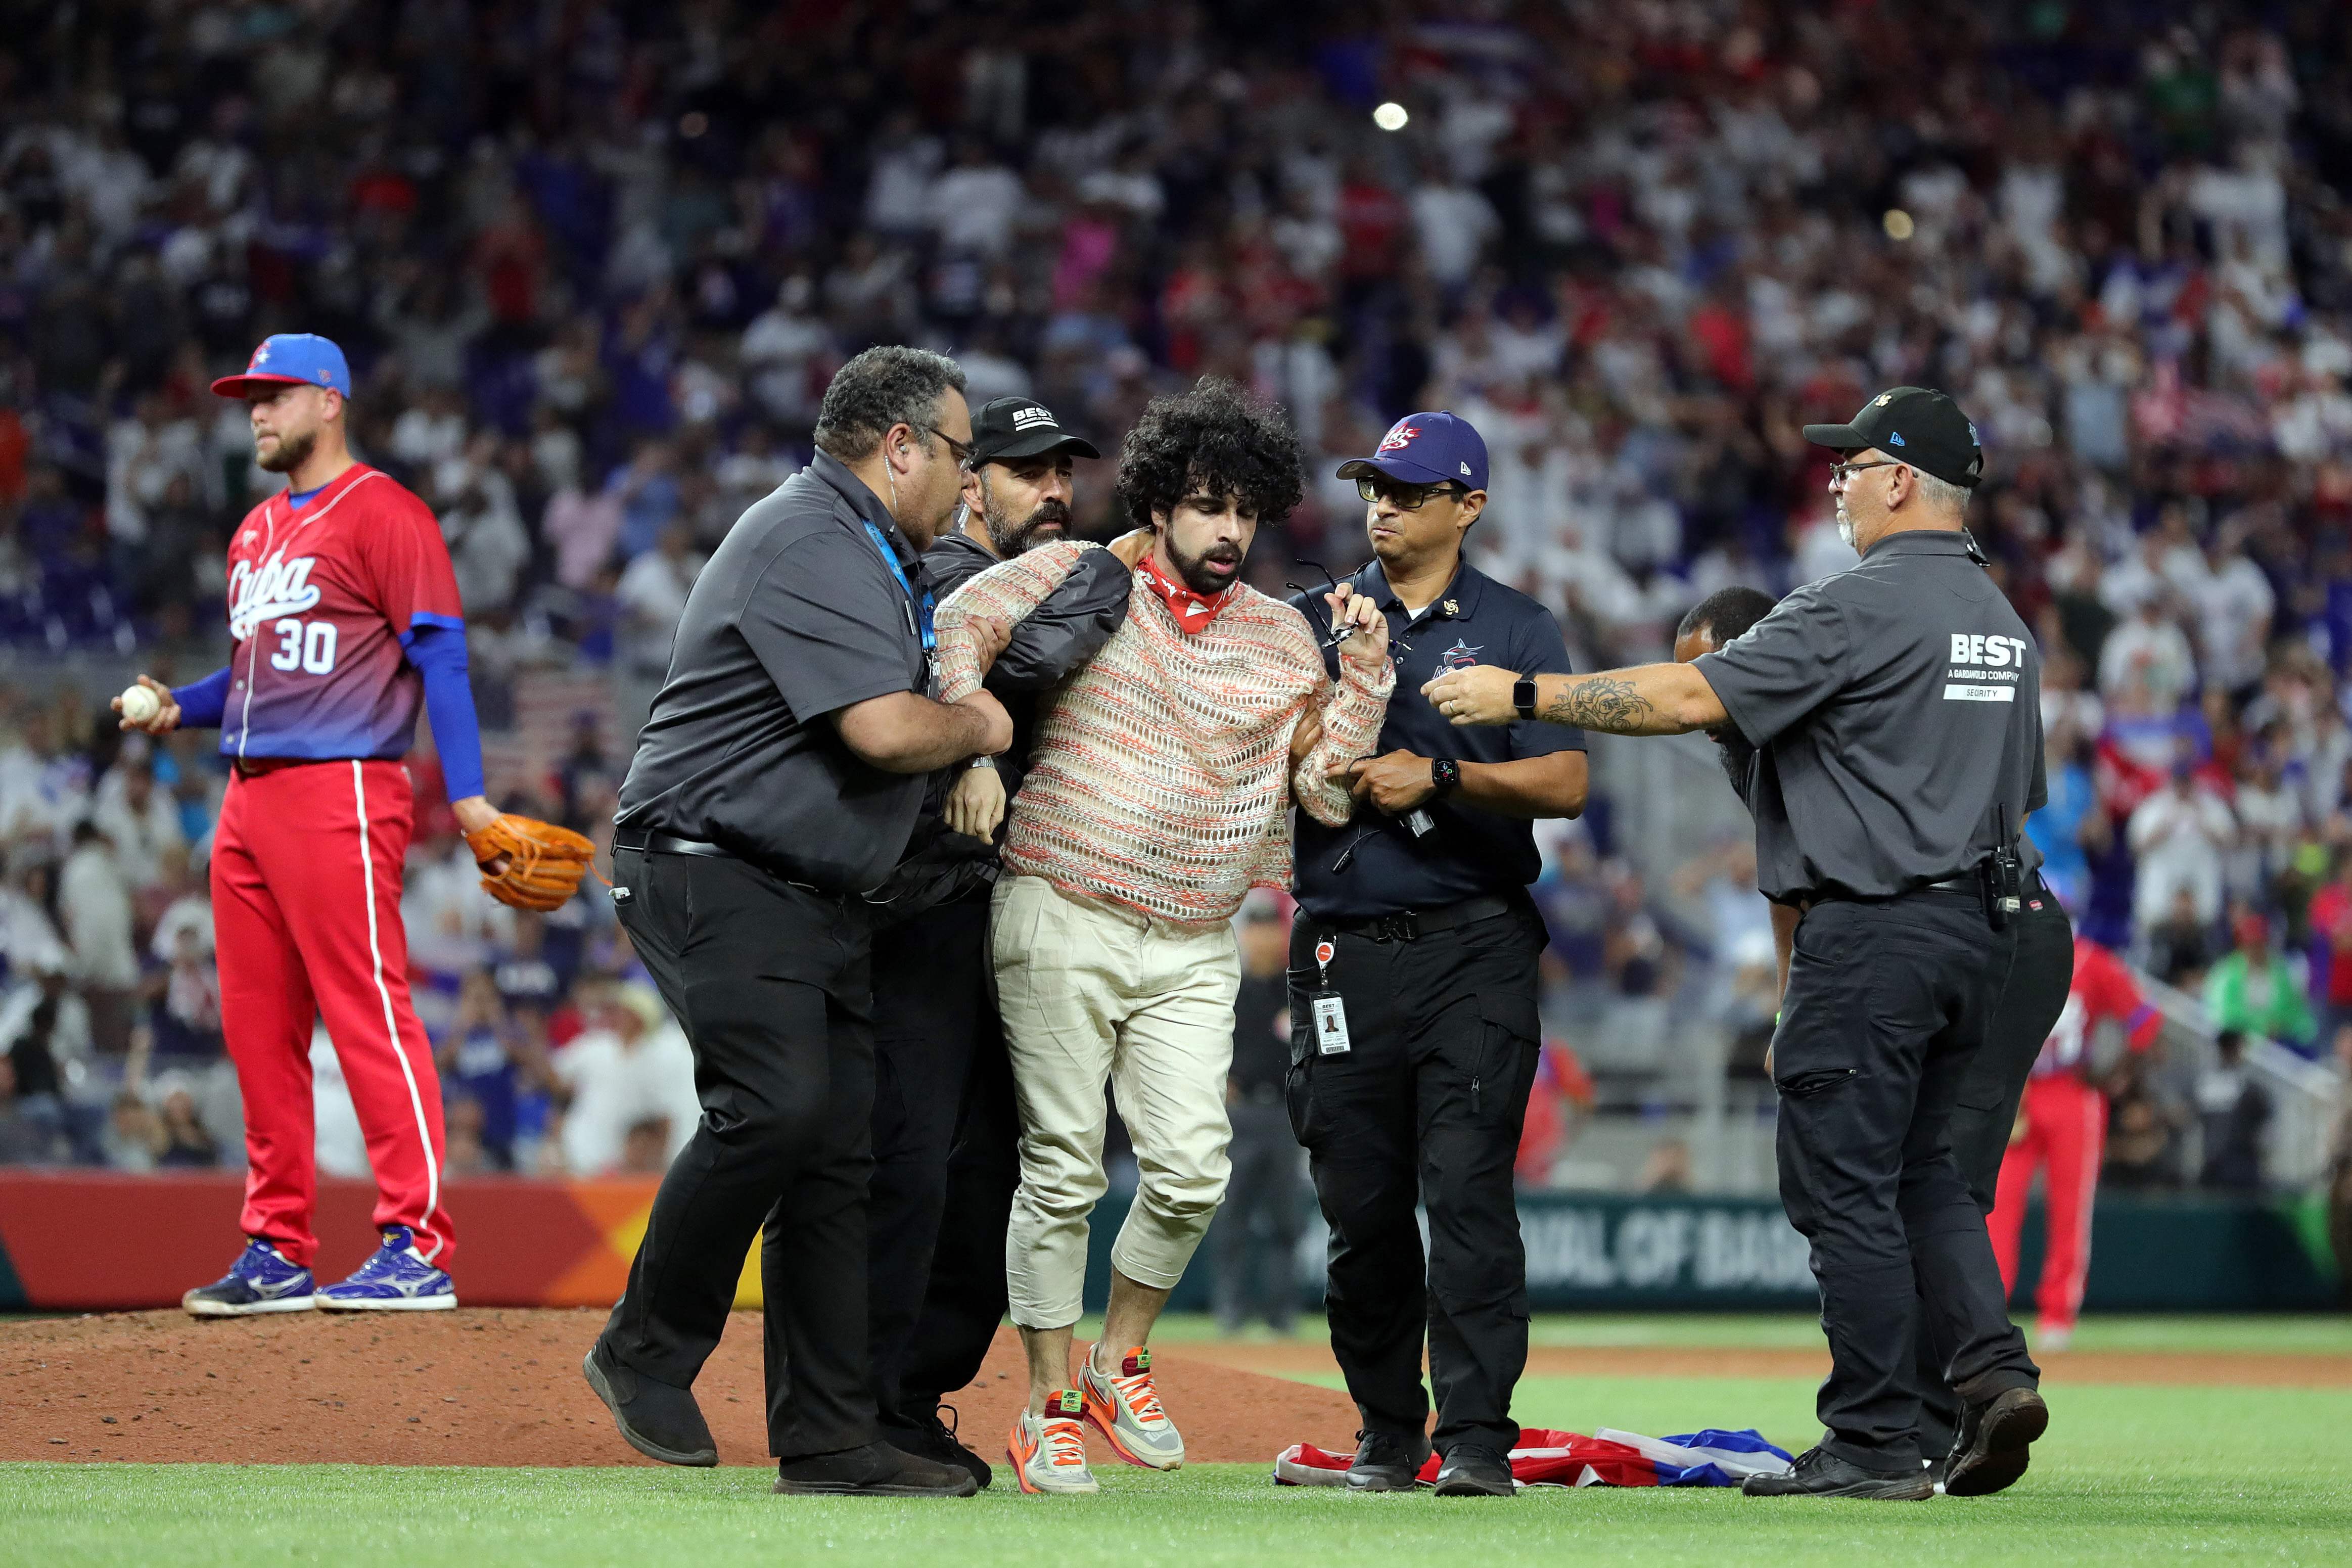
(1470, 851)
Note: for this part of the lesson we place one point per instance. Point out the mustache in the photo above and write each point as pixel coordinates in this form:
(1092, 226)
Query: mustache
(1049, 511)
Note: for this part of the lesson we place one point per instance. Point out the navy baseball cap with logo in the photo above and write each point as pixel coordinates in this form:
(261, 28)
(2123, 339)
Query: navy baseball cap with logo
(1006, 427)
(290, 359)
(1914, 424)
(1431, 448)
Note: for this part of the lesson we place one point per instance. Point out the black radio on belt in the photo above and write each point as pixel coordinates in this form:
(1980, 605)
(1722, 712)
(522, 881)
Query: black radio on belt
(2003, 878)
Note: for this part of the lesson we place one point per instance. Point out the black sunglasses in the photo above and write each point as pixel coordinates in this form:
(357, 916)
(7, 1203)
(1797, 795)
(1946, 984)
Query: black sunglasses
(1408, 497)
(1332, 637)
(959, 450)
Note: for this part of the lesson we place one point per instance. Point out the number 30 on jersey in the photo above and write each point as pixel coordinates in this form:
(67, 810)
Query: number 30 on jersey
(307, 646)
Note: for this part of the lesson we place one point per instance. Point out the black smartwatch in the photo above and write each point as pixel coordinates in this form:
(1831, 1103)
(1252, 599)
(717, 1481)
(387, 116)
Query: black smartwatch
(1523, 696)
(1444, 777)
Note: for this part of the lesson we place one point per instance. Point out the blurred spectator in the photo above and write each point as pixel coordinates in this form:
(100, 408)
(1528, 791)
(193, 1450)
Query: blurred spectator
(2179, 835)
(141, 821)
(632, 1064)
(23, 1140)
(94, 909)
(1667, 1168)
(134, 1138)
(2181, 946)
(2235, 1110)
(1560, 1103)
(185, 1143)
(491, 1065)
(2255, 990)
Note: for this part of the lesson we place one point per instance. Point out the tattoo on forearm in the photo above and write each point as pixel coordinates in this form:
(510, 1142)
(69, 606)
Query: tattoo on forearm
(1598, 702)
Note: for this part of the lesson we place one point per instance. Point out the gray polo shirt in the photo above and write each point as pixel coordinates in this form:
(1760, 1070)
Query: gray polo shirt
(797, 616)
(1896, 712)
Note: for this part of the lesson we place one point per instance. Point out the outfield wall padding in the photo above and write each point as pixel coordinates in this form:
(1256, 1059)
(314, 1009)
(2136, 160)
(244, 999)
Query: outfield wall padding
(75, 1240)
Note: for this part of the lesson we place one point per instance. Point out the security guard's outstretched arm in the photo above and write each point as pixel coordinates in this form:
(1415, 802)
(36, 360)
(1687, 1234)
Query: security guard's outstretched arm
(1647, 700)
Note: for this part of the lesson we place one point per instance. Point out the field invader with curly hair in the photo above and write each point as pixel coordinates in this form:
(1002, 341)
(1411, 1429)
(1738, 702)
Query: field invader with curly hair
(1158, 793)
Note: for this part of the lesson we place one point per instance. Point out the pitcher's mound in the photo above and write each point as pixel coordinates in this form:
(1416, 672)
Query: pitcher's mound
(488, 1387)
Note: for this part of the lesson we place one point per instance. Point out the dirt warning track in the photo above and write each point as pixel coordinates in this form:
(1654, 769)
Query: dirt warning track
(484, 1387)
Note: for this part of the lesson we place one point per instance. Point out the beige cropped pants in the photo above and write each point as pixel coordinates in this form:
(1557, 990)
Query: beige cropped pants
(1092, 991)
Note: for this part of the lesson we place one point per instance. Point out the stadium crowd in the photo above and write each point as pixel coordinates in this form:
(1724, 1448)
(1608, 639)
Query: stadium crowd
(595, 263)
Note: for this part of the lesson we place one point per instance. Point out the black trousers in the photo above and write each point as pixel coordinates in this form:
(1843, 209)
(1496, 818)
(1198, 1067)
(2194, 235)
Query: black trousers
(2040, 975)
(1264, 1183)
(946, 1159)
(1427, 1105)
(771, 982)
(1888, 1006)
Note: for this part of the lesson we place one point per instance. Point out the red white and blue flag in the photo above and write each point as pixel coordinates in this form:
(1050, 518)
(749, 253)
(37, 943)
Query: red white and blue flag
(1712, 1457)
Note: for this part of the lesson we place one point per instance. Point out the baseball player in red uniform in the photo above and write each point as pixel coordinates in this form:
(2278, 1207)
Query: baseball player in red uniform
(345, 618)
(2064, 1118)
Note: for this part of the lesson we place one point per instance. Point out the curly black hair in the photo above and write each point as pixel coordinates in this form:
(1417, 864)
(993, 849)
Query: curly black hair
(1212, 440)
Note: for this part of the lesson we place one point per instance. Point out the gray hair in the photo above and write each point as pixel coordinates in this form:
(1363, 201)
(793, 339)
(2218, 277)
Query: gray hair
(890, 384)
(1942, 495)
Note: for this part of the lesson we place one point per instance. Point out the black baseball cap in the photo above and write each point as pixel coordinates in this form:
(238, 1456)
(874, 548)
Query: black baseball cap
(1922, 426)
(1006, 427)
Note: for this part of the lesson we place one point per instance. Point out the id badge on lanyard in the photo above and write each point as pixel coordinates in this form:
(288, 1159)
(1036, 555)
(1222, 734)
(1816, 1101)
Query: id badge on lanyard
(917, 607)
(1329, 1008)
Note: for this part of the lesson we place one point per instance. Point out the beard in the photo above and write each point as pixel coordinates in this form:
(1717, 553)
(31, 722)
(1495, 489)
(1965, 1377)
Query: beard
(291, 452)
(1845, 525)
(1011, 538)
(1211, 572)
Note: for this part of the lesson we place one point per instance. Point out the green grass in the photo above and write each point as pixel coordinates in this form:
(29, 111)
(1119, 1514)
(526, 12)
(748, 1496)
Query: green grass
(2218, 1475)
(2222, 1475)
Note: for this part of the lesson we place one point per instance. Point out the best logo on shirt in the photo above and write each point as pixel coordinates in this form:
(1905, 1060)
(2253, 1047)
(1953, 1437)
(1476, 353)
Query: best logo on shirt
(1985, 668)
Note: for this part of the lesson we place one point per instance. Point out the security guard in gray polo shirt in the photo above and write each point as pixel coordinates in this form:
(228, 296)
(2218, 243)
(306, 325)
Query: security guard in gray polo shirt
(778, 779)
(1895, 708)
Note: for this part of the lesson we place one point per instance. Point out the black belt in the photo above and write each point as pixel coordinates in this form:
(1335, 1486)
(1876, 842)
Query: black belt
(648, 843)
(1410, 925)
(668, 843)
(1969, 882)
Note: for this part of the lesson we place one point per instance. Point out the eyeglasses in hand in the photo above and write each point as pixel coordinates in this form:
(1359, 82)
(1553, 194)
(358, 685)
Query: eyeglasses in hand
(1332, 637)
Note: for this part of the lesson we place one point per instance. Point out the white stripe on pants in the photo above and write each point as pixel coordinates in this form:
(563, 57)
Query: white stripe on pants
(1093, 991)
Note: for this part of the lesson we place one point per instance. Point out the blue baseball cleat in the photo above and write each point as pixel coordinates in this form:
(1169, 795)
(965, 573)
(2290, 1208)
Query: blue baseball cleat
(395, 1279)
(260, 1281)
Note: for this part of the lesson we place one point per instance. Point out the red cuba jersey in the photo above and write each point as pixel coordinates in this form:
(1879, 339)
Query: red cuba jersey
(2103, 989)
(320, 598)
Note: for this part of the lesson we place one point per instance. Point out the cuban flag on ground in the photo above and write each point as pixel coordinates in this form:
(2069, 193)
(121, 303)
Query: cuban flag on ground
(1712, 1457)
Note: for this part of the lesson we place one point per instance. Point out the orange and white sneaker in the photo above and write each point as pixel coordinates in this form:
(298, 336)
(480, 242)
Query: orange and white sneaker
(1049, 1451)
(1125, 1407)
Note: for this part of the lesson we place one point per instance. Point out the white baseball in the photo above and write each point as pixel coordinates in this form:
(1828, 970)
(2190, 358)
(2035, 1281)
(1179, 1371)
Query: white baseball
(140, 704)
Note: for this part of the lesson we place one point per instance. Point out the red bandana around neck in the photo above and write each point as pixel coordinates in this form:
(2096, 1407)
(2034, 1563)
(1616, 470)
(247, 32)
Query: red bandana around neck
(1194, 611)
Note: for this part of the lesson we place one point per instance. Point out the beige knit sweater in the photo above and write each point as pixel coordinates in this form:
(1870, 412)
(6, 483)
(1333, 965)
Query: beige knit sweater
(1159, 777)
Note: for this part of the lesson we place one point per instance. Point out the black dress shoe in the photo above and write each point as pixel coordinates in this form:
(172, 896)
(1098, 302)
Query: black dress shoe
(874, 1469)
(1474, 1470)
(1992, 1449)
(1821, 1474)
(660, 1422)
(929, 1437)
(1386, 1462)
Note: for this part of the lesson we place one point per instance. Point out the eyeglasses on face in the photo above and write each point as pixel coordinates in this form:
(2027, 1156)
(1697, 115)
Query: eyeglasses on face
(959, 450)
(1408, 497)
(1841, 472)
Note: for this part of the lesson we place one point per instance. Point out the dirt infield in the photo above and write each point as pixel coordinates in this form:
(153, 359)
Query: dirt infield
(489, 1387)
(2248, 1369)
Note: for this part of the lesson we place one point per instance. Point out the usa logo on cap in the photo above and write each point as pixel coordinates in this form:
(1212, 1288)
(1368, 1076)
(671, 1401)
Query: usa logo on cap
(1400, 435)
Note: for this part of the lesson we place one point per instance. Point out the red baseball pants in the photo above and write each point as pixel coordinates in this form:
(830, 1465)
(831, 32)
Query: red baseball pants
(306, 908)
(2066, 1132)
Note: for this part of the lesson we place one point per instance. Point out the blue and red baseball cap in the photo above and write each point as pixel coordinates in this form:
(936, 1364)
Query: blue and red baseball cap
(290, 359)
(1431, 449)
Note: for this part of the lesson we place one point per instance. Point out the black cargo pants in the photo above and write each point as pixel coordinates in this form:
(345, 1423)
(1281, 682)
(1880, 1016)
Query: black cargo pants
(1426, 1108)
(1887, 1005)
(2035, 993)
